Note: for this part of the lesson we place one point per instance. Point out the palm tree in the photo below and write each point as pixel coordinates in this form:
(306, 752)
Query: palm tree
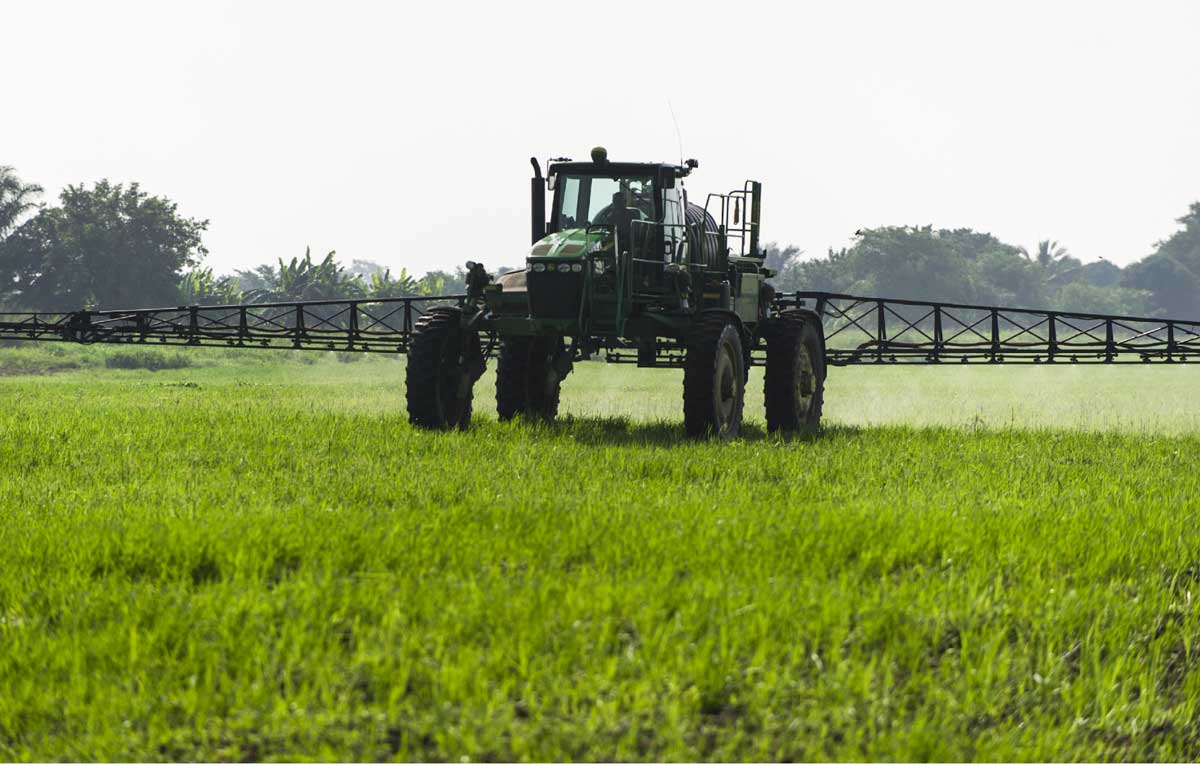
(16, 198)
(1048, 254)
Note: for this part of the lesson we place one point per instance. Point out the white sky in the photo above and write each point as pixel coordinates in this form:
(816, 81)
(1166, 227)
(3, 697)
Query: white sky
(401, 132)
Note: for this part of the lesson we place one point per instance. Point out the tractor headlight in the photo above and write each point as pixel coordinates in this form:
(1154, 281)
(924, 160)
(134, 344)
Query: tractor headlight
(564, 267)
(577, 267)
(538, 267)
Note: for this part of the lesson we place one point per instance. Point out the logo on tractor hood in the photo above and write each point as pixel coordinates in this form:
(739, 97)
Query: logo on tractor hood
(573, 242)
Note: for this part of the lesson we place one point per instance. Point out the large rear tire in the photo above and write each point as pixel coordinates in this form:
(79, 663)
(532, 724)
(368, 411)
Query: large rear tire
(527, 382)
(443, 363)
(794, 383)
(714, 384)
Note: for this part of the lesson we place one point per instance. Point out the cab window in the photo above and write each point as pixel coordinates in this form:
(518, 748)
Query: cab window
(584, 201)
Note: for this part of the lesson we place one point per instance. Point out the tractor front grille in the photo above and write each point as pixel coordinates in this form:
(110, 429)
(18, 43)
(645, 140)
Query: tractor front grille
(553, 294)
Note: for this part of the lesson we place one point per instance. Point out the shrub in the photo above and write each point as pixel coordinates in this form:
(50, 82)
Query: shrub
(154, 360)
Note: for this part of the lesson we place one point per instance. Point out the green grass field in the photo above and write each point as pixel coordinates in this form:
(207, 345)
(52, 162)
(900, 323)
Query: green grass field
(257, 558)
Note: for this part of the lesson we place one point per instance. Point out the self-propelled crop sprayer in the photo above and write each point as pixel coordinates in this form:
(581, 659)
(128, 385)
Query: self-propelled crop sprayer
(628, 269)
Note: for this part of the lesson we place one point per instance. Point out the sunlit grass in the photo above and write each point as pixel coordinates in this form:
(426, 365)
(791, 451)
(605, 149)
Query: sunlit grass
(252, 560)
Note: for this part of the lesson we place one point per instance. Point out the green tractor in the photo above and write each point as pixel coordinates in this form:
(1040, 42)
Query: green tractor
(626, 269)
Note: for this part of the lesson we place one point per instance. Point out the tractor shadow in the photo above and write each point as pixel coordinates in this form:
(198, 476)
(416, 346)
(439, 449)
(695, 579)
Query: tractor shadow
(622, 431)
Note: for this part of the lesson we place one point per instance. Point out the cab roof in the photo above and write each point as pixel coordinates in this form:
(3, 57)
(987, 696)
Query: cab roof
(654, 169)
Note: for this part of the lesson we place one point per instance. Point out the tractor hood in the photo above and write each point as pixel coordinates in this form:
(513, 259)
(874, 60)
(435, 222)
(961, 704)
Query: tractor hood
(572, 242)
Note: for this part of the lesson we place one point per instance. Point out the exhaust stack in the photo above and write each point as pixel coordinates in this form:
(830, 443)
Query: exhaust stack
(537, 202)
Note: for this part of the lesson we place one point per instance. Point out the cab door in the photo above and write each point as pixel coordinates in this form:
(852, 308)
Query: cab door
(674, 242)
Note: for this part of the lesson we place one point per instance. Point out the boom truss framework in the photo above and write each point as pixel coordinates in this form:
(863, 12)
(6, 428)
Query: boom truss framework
(858, 330)
(366, 326)
(876, 330)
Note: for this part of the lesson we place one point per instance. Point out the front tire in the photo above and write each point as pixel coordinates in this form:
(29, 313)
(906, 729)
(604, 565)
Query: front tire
(794, 383)
(443, 363)
(714, 384)
(527, 382)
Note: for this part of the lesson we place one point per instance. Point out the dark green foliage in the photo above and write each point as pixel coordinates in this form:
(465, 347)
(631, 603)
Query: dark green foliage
(1172, 274)
(1172, 283)
(1101, 273)
(922, 263)
(106, 246)
(959, 265)
(1088, 298)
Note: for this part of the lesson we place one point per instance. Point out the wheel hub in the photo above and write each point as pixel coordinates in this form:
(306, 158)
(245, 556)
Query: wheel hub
(726, 388)
(805, 380)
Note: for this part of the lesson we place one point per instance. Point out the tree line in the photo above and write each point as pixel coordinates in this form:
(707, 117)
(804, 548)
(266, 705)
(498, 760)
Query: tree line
(962, 265)
(114, 245)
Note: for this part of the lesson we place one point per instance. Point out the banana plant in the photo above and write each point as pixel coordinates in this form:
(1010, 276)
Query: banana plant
(201, 287)
(384, 286)
(304, 279)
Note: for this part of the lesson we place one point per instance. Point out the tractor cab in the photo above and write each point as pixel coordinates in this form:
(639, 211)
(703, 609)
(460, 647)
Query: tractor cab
(626, 206)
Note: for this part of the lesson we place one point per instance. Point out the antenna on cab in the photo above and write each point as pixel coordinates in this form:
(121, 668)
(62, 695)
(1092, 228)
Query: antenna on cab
(678, 136)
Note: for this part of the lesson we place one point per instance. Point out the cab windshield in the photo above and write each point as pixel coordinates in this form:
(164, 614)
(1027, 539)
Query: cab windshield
(592, 200)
